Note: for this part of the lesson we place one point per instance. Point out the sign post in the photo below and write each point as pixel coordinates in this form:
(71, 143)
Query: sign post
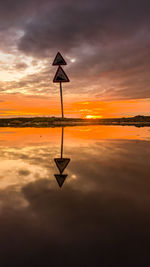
(60, 76)
(61, 99)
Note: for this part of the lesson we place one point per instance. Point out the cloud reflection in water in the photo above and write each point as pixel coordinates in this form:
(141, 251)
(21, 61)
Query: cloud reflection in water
(99, 217)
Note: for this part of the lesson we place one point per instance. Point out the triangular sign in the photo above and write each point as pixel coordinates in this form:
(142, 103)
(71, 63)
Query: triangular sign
(61, 163)
(60, 178)
(59, 60)
(60, 76)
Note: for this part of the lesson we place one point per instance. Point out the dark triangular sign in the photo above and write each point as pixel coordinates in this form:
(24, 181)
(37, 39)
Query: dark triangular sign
(60, 178)
(60, 76)
(61, 163)
(59, 60)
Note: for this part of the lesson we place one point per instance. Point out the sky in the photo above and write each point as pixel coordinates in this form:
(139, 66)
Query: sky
(106, 45)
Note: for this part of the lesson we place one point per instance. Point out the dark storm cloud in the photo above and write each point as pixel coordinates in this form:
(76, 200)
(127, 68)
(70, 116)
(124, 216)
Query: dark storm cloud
(14, 13)
(18, 12)
(110, 37)
(70, 26)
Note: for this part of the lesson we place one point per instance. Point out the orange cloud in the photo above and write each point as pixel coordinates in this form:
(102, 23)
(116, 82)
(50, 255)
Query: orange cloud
(19, 105)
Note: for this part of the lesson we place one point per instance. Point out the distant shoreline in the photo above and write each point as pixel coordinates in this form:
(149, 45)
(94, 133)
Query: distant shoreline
(138, 121)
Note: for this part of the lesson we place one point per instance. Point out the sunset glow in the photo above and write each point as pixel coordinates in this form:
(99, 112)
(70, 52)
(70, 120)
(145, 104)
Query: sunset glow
(32, 106)
(93, 117)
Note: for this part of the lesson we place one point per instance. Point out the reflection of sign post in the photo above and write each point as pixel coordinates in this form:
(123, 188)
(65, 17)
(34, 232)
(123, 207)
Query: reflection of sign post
(60, 178)
(60, 76)
(61, 164)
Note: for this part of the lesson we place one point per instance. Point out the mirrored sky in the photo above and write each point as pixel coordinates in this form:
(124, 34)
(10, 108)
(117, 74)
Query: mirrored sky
(101, 213)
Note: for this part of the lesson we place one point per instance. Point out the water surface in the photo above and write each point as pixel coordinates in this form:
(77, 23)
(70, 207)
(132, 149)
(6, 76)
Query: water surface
(100, 216)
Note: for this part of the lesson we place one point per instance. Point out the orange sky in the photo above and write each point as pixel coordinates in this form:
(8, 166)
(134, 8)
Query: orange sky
(20, 105)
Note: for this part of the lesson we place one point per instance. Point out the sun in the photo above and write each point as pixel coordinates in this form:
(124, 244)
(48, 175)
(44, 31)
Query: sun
(93, 116)
(73, 60)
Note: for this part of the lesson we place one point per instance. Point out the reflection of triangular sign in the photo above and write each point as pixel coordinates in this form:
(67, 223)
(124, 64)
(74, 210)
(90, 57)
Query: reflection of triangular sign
(59, 60)
(60, 178)
(60, 76)
(61, 163)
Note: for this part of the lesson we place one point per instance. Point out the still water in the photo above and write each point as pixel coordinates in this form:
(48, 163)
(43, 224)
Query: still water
(95, 212)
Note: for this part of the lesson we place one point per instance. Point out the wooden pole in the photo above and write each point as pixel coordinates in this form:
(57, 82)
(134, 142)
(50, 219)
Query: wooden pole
(61, 98)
